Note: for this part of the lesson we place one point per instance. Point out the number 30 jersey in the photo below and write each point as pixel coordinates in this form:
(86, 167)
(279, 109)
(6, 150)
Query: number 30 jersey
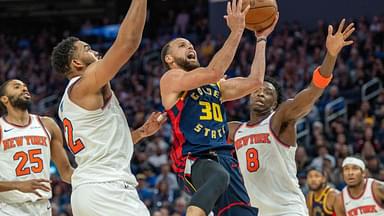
(199, 124)
(100, 140)
(269, 170)
(24, 155)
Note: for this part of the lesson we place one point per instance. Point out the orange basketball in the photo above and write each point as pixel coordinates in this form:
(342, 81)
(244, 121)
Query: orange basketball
(261, 14)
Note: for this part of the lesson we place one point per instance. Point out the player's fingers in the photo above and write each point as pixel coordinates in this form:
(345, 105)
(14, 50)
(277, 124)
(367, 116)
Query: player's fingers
(349, 27)
(330, 30)
(162, 118)
(229, 11)
(239, 5)
(43, 180)
(347, 43)
(341, 26)
(234, 4)
(348, 33)
(37, 194)
(246, 10)
(42, 187)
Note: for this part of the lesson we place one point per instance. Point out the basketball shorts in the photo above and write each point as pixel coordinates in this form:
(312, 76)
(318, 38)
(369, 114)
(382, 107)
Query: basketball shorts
(38, 208)
(116, 198)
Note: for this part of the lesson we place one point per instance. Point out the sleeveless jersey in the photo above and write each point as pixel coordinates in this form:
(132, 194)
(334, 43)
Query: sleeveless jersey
(199, 124)
(363, 205)
(100, 140)
(269, 170)
(318, 205)
(24, 154)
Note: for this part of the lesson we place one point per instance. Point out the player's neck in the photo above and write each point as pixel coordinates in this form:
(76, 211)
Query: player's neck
(318, 192)
(17, 117)
(357, 190)
(258, 117)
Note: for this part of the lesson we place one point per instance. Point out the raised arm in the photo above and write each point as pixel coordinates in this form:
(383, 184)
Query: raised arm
(239, 87)
(183, 81)
(301, 105)
(58, 153)
(128, 40)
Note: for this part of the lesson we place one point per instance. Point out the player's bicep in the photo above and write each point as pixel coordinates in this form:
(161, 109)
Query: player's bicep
(99, 73)
(233, 126)
(339, 206)
(177, 80)
(238, 87)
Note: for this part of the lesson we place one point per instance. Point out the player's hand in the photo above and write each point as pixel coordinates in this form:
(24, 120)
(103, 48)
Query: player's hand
(235, 16)
(266, 32)
(153, 124)
(335, 42)
(30, 186)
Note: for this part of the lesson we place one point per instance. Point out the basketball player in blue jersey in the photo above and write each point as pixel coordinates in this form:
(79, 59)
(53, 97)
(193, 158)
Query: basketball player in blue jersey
(193, 98)
(321, 197)
(266, 144)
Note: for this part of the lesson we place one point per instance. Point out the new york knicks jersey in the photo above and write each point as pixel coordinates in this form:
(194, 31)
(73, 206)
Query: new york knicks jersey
(199, 124)
(24, 154)
(269, 170)
(100, 140)
(318, 205)
(363, 205)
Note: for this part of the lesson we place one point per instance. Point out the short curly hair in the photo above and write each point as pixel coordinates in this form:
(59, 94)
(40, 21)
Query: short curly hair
(62, 55)
(278, 88)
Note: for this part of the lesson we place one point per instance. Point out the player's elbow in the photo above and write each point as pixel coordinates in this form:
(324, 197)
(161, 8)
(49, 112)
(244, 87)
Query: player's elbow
(214, 74)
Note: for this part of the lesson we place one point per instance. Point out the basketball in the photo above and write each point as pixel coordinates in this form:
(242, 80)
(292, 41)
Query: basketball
(261, 14)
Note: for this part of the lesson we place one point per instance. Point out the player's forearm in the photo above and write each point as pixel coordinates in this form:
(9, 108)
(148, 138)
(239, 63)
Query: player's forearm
(131, 29)
(137, 135)
(328, 65)
(7, 186)
(224, 57)
(258, 63)
(66, 174)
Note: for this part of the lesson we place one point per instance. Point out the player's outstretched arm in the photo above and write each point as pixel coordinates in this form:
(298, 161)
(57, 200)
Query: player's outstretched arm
(58, 153)
(238, 87)
(301, 105)
(177, 80)
(127, 42)
(150, 127)
(27, 186)
(339, 206)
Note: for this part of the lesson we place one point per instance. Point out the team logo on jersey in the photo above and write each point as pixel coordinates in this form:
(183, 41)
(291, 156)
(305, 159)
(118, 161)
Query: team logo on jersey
(261, 138)
(362, 210)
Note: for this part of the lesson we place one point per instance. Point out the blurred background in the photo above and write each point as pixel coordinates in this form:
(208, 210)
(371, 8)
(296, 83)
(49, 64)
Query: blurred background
(347, 120)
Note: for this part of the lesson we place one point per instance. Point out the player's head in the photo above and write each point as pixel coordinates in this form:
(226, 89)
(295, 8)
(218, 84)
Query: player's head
(353, 171)
(72, 56)
(14, 94)
(316, 179)
(267, 98)
(179, 53)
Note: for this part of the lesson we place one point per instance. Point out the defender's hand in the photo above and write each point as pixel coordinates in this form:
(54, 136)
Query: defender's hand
(335, 42)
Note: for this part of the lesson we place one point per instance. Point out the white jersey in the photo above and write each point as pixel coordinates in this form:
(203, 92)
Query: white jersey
(24, 154)
(100, 140)
(269, 171)
(363, 205)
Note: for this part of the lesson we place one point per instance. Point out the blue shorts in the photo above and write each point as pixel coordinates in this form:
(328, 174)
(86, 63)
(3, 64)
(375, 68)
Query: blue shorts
(234, 201)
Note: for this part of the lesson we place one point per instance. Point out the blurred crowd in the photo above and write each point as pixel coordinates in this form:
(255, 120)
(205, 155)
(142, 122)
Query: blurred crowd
(293, 52)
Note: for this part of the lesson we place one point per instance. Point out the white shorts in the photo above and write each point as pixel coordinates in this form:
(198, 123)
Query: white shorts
(107, 198)
(38, 208)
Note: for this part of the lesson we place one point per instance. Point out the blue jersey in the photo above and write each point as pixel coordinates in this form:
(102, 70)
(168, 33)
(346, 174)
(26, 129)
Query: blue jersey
(318, 205)
(199, 124)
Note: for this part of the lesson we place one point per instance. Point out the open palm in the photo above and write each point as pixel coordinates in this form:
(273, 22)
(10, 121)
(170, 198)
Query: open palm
(335, 42)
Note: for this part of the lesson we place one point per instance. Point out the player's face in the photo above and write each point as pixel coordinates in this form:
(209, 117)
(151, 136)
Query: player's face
(315, 180)
(17, 95)
(183, 54)
(353, 175)
(264, 98)
(85, 53)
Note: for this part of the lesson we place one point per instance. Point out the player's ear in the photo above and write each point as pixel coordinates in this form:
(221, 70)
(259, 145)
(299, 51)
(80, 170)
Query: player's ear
(169, 59)
(4, 99)
(77, 64)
